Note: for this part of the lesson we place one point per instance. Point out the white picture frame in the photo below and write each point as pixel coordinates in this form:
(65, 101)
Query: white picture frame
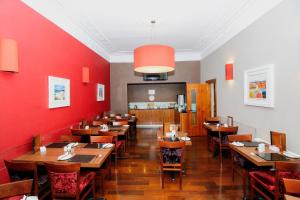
(100, 92)
(259, 86)
(58, 92)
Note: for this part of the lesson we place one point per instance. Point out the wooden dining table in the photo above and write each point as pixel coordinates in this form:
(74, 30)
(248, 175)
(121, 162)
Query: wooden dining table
(52, 154)
(96, 130)
(212, 130)
(179, 135)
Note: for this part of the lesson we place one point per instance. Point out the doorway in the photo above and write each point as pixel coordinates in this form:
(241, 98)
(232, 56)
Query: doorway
(213, 91)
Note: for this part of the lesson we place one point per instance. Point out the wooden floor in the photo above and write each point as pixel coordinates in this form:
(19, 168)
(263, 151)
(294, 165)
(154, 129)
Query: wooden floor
(139, 176)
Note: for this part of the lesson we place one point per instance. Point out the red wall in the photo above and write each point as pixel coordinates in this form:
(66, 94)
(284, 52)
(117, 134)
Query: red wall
(44, 49)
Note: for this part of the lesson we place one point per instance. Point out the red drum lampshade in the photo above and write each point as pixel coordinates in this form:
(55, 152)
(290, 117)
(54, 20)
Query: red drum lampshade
(154, 59)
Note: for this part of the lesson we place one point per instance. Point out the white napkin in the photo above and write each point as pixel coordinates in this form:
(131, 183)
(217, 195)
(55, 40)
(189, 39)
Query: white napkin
(238, 144)
(185, 138)
(107, 145)
(291, 154)
(65, 156)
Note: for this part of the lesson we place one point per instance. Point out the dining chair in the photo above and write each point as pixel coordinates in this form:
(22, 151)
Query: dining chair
(269, 184)
(70, 138)
(121, 122)
(16, 189)
(79, 131)
(171, 159)
(221, 141)
(37, 143)
(119, 144)
(166, 127)
(105, 169)
(67, 181)
(292, 187)
(210, 134)
(239, 164)
(100, 122)
(101, 139)
(28, 170)
(279, 140)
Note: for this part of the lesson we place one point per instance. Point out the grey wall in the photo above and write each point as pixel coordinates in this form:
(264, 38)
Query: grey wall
(122, 73)
(166, 92)
(273, 39)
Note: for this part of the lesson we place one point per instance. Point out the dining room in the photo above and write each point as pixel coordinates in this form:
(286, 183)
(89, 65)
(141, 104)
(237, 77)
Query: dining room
(148, 99)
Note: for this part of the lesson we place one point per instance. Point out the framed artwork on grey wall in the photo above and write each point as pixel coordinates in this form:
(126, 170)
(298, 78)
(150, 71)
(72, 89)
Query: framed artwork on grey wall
(58, 92)
(259, 86)
(100, 92)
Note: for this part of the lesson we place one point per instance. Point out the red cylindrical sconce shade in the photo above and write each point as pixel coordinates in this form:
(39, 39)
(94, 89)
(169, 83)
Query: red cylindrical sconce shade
(8, 55)
(229, 71)
(85, 75)
(154, 59)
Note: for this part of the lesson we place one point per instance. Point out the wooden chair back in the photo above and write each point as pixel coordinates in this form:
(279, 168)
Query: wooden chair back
(16, 188)
(70, 138)
(224, 132)
(100, 122)
(60, 168)
(213, 120)
(278, 139)
(23, 170)
(101, 139)
(240, 138)
(37, 142)
(121, 122)
(292, 187)
(166, 127)
(281, 169)
(76, 131)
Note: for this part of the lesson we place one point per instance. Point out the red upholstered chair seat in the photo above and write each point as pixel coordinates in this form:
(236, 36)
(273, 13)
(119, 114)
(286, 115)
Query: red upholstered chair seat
(119, 144)
(67, 182)
(268, 180)
(14, 197)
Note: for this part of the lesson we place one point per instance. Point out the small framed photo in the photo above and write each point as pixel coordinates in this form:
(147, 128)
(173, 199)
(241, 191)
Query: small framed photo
(100, 92)
(259, 86)
(58, 92)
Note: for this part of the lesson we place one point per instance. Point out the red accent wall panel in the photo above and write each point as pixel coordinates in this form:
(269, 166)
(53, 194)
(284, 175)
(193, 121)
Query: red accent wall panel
(44, 49)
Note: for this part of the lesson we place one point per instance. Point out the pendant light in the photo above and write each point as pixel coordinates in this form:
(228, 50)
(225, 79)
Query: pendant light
(154, 58)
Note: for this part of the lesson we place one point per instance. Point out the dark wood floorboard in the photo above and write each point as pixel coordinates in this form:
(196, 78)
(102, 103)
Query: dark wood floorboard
(138, 177)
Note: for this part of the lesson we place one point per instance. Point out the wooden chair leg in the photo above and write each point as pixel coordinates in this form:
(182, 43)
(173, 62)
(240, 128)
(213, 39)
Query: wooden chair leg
(220, 154)
(244, 181)
(180, 180)
(94, 190)
(162, 180)
(102, 183)
(251, 189)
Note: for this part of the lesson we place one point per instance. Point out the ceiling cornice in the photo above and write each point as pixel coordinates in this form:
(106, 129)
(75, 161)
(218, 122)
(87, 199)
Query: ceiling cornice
(249, 13)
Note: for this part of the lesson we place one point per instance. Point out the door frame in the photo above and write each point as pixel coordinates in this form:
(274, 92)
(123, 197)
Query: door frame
(214, 83)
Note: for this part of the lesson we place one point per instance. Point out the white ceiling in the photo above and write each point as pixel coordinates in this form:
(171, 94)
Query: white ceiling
(113, 28)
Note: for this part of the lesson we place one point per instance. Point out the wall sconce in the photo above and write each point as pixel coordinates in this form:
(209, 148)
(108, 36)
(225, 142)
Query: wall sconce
(229, 71)
(9, 55)
(85, 75)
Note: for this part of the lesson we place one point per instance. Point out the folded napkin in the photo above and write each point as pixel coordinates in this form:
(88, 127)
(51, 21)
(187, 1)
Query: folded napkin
(29, 197)
(238, 144)
(65, 156)
(107, 145)
(185, 138)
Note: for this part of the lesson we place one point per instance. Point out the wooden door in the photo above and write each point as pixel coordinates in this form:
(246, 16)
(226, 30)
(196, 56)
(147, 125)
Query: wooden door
(198, 107)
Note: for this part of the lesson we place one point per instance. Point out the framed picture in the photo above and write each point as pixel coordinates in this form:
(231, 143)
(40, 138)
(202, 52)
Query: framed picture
(259, 86)
(100, 92)
(59, 92)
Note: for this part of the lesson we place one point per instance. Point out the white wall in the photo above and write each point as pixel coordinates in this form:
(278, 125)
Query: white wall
(272, 39)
